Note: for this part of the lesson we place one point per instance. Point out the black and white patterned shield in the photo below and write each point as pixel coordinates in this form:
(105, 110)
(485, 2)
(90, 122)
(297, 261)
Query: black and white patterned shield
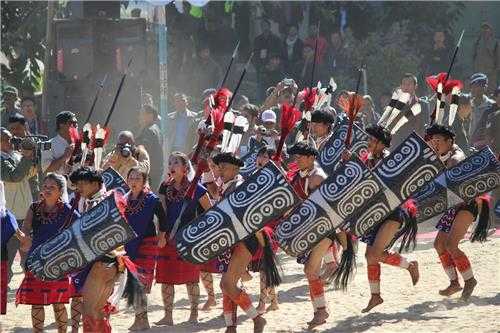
(413, 165)
(97, 232)
(250, 164)
(477, 174)
(353, 189)
(330, 155)
(260, 199)
(114, 181)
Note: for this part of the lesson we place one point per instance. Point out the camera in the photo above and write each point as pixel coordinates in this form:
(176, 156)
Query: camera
(262, 130)
(126, 150)
(37, 143)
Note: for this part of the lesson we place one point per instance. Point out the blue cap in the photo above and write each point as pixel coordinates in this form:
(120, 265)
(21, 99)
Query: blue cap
(479, 78)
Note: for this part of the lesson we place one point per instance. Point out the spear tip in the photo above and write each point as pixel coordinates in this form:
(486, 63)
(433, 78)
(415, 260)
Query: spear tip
(236, 50)
(249, 59)
(460, 39)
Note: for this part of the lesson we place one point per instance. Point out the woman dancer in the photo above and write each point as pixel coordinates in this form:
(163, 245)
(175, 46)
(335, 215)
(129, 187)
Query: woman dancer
(46, 218)
(171, 269)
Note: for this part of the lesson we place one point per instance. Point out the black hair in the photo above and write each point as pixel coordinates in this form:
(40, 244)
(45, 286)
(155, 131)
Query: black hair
(87, 174)
(17, 118)
(28, 98)
(64, 117)
(141, 171)
(58, 179)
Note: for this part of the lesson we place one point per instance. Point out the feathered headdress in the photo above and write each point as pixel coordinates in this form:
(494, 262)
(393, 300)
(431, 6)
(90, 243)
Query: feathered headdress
(443, 86)
(289, 117)
(351, 103)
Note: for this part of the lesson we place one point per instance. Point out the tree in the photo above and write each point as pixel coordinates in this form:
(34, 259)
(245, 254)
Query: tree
(386, 55)
(23, 43)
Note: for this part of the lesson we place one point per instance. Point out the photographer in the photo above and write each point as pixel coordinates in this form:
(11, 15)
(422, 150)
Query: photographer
(18, 128)
(265, 134)
(16, 170)
(56, 159)
(127, 155)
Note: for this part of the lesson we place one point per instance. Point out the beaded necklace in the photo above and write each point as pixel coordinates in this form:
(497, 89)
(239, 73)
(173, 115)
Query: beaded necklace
(48, 217)
(135, 206)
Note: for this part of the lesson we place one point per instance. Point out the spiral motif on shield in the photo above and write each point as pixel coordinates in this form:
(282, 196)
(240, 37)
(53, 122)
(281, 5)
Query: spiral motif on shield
(252, 190)
(64, 263)
(426, 191)
(346, 178)
(473, 165)
(353, 200)
(249, 166)
(107, 179)
(272, 204)
(212, 245)
(108, 239)
(331, 153)
(315, 232)
(96, 215)
(474, 187)
(296, 223)
(209, 222)
(375, 214)
(409, 151)
(56, 244)
(417, 180)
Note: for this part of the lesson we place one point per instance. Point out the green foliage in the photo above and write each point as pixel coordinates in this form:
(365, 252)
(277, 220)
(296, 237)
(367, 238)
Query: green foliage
(387, 57)
(23, 42)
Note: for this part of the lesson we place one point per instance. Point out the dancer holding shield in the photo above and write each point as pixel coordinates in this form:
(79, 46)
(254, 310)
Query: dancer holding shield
(171, 269)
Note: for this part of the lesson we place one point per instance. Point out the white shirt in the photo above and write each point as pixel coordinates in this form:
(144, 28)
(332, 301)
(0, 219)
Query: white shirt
(59, 145)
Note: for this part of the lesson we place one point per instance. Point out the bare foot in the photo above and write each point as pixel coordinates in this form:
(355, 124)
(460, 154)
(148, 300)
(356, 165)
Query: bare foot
(165, 321)
(413, 269)
(469, 286)
(193, 317)
(261, 308)
(139, 325)
(272, 307)
(374, 301)
(453, 288)
(246, 277)
(319, 318)
(231, 329)
(258, 324)
(208, 304)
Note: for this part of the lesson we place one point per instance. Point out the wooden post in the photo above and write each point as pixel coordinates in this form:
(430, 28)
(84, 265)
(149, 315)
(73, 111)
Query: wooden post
(49, 36)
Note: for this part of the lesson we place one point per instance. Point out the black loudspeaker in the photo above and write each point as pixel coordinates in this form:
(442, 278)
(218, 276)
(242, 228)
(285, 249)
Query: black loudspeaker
(94, 9)
(74, 49)
(86, 51)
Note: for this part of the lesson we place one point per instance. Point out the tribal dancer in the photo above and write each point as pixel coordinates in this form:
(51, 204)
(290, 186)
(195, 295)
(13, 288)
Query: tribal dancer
(79, 179)
(308, 178)
(171, 269)
(46, 218)
(142, 206)
(96, 280)
(8, 228)
(456, 221)
(322, 126)
(76, 297)
(241, 255)
(211, 180)
(399, 223)
(322, 129)
(264, 155)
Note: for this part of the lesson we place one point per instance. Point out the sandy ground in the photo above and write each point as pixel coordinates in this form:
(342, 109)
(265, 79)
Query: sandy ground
(406, 308)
